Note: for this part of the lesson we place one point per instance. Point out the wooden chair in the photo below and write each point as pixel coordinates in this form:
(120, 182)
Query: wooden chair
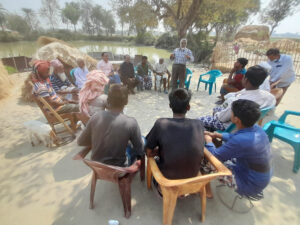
(172, 189)
(119, 175)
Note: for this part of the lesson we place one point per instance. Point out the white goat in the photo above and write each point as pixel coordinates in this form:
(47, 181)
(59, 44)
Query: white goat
(40, 133)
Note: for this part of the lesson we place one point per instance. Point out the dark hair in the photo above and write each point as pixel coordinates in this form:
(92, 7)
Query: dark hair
(247, 111)
(243, 61)
(273, 51)
(117, 96)
(256, 75)
(103, 53)
(144, 57)
(179, 100)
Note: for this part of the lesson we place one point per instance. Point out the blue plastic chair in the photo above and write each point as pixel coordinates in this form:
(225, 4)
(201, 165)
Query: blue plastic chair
(188, 77)
(287, 133)
(263, 113)
(213, 74)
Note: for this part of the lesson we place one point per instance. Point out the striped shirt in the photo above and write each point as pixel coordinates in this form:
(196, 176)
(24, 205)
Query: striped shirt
(44, 89)
(180, 54)
(57, 83)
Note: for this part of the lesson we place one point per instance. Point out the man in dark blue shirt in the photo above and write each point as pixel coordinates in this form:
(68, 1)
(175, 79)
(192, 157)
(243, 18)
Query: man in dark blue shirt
(248, 149)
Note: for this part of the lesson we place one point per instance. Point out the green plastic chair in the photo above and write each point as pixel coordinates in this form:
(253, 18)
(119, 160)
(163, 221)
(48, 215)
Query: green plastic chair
(263, 113)
(213, 74)
(188, 77)
(287, 133)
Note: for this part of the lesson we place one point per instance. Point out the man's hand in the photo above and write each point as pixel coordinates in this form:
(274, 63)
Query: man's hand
(111, 73)
(172, 56)
(213, 134)
(188, 57)
(208, 138)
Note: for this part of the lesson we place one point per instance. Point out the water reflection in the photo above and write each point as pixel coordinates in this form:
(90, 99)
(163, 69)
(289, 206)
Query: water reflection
(120, 48)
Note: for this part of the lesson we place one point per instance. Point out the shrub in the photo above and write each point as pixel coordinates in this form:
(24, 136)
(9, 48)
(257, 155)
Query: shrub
(167, 41)
(10, 69)
(145, 38)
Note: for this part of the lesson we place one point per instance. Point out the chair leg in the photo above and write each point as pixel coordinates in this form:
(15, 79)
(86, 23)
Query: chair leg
(205, 86)
(125, 191)
(169, 204)
(198, 85)
(296, 159)
(210, 89)
(215, 87)
(93, 187)
(149, 175)
(203, 203)
(142, 169)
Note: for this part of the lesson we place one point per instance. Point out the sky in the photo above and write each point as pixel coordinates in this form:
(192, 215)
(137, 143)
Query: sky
(290, 24)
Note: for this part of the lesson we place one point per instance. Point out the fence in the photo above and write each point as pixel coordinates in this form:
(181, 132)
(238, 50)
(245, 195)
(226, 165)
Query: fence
(20, 63)
(225, 54)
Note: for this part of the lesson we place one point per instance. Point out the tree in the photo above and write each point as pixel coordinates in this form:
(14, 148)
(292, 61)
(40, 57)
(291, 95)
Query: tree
(97, 17)
(30, 17)
(182, 13)
(2, 17)
(17, 23)
(108, 22)
(86, 9)
(278, 10)
(71, 12)
(50, 9)
(122, 7)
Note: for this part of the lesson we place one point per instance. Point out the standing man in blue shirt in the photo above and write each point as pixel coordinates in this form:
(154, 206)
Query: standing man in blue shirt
(282, 70)
(180, 56)
(248, 150)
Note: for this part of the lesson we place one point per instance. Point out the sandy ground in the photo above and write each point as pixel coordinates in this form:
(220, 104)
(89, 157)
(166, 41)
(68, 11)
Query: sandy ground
(42, 186)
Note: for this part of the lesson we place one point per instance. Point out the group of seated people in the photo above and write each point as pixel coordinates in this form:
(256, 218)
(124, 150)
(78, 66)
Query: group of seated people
(178, 143)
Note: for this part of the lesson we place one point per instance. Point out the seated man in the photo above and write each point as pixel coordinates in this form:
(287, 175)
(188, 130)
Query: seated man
(145, 81)
(127, 74)
(248, 149)
(108, 69)
(108, 132)
(180, 141)
(43, 88)
(162, 73)
(234, 81)
(253, 78)
(59, 80)
(80, 73)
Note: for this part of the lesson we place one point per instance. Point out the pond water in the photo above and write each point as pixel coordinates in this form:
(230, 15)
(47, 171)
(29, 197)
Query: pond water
(29, 48)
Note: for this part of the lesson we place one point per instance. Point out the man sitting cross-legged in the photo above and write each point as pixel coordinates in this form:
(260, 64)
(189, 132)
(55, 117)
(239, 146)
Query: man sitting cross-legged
(248, 150)
(253, 78)
(162, 75)
(108, 133)
(179, 140)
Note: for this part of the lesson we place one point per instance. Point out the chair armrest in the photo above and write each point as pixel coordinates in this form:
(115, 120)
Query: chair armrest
(159, 177)
(275, 124)
(189, 77)
(82, 154)
(286, 113)
(200, 77)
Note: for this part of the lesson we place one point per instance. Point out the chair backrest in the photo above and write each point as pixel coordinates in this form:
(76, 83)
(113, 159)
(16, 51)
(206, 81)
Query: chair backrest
(111, 173)
(213, 74)
(188, 73)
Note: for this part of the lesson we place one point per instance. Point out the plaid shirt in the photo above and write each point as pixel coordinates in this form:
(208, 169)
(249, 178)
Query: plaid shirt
(57, 83)
(180, 53)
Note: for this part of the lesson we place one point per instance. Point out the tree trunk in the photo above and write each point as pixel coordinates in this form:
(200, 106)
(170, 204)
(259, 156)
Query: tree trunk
(122, 25)
(272, 28)
(74, 27)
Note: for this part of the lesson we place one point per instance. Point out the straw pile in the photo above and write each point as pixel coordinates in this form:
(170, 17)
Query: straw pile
(5, 82)
(220, 58)
(286, 45)
(26, 93)
(43, 40)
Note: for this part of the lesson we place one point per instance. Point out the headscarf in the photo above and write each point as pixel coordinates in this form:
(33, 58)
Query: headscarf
(55, 63)
(39, 66)
(93, 87)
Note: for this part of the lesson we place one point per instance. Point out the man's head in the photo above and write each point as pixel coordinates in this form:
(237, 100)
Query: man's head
(273, 54)
(241, 63)
(144, 59)
(117, 96)
(127, 58)
(58, 67)
(254, 77)
(183, 43)
(180, 101)
(105, 56)
(161, 61)
(245, 113)
(42, 69)
(80, 63)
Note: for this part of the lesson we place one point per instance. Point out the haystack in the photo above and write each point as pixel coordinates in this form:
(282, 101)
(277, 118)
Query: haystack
(254, 32)
(65, 53)
(43, 40)
(286, 45)
(220, 58)
(26, 93)
(5, 82)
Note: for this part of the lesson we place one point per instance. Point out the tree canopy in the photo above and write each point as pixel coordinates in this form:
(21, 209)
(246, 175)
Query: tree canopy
(71, 12)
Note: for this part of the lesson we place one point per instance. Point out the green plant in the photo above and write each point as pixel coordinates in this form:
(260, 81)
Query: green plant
(11, 70)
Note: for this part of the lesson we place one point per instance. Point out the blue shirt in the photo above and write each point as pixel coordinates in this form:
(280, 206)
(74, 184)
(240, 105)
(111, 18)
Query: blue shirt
(180, 53)
(57, 83)
(248, 146)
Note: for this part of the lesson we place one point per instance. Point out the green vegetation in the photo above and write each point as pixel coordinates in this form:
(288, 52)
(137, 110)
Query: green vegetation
(11, 70)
